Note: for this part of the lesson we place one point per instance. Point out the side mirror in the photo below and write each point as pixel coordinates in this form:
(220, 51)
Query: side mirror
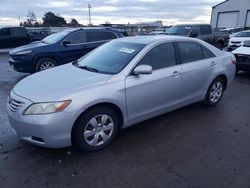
(66, 43)
(143, 69)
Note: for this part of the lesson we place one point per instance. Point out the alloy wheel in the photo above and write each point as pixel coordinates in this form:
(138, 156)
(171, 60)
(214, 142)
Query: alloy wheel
(216, 92)
(99, 130)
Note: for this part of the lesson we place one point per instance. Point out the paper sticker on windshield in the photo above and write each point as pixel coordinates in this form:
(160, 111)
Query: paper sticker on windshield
(127, 50)
(187, 27)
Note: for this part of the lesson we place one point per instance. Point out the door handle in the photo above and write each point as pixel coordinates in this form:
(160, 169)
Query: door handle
(175, 74)
(213, 63)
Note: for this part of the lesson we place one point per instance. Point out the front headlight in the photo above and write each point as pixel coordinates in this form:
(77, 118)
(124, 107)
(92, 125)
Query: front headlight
(24, 52)
(46, 108)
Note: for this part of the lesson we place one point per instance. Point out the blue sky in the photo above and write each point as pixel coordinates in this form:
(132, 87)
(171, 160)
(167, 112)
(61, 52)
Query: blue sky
(114, 11)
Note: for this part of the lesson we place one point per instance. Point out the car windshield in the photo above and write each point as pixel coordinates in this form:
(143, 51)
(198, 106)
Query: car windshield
(56, 37)
(242, 34)
(246, 44)
(179, 30)
(111, 57)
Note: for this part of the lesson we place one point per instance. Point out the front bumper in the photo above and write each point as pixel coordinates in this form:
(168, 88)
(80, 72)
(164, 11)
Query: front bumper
(243, 62)
(50, 130)
(22, 63)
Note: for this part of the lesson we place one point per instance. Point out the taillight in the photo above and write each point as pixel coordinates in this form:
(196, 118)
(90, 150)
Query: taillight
(234, 60)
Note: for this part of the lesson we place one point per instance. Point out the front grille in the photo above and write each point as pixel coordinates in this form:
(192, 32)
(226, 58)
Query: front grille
(14, 105)
(234, 42)
(243, 59)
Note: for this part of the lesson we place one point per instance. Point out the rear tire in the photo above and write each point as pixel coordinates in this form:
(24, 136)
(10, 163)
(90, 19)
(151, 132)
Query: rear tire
(215, 92)
(45, 63)
(95, 129)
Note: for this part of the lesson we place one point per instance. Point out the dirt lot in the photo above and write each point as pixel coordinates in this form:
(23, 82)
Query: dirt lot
(191, 147)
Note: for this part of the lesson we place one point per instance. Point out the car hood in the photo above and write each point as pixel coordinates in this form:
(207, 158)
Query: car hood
(242, 50)
(28, 47)
(58, 83)
(239, 39)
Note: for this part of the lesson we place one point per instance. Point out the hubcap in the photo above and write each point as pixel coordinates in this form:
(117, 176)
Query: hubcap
(46, 65)
(216, 92)
(98, 130)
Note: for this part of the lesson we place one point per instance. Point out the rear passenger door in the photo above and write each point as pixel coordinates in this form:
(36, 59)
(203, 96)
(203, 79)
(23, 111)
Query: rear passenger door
(197, 67)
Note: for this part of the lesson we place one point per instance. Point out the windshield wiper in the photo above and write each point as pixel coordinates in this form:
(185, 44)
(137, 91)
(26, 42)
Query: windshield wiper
(88, 68)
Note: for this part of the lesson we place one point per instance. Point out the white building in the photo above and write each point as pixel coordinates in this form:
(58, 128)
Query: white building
(231, 13)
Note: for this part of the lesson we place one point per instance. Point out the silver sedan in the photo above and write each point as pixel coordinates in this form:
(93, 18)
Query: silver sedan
(121, 83)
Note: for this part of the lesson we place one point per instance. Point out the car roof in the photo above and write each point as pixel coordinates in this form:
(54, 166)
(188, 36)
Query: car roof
(87, 28)
(147, 39)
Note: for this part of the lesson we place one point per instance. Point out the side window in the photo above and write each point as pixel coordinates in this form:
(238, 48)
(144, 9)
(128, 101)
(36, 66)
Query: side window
(100, 36)
(190, 51)
(77, 37)
(196, 30)
(207, 53)
(4, 32)
(206, 30)
(160, 56)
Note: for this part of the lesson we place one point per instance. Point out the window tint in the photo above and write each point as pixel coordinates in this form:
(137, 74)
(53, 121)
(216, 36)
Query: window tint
(160, 56)
(205, 30)
(189, 51)
(19, 31)
(196, 30)
(100, 36)
(4, 32)
(207, 53)
(77, 37)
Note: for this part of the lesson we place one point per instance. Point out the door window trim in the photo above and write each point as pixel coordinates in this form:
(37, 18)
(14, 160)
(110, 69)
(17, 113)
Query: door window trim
(201, 45)
(143, 55)
(84, 43)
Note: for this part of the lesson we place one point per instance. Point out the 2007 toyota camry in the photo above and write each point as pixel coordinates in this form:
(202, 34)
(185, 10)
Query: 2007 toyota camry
(121, 83)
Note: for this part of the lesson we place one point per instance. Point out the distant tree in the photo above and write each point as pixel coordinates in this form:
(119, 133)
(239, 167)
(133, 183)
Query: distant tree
(37, 24)
(31, 18)
(50, 19)
(73, 23)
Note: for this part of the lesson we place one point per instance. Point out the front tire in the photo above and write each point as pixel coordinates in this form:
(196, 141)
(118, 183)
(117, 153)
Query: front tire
(215, 92)
(95, 129)
(45, 63)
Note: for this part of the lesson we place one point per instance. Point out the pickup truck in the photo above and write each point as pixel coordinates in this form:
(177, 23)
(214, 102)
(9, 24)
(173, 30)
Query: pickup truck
(201, 31)
(16, 36)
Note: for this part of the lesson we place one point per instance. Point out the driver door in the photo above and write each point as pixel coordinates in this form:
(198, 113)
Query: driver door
(150, 95)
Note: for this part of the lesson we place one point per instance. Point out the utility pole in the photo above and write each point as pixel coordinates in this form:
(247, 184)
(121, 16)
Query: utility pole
(89, 7)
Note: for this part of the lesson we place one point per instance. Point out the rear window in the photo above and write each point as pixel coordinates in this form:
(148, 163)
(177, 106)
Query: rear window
(190, 51)
(206, 30)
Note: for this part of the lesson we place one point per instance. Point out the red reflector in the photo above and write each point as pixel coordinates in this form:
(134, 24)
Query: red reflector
(234, 61)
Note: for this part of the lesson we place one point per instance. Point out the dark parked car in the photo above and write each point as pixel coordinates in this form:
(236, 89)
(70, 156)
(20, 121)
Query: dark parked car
(59, 48)
(201, 31)
(242, 55)
(13, 36)
(17, 36)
